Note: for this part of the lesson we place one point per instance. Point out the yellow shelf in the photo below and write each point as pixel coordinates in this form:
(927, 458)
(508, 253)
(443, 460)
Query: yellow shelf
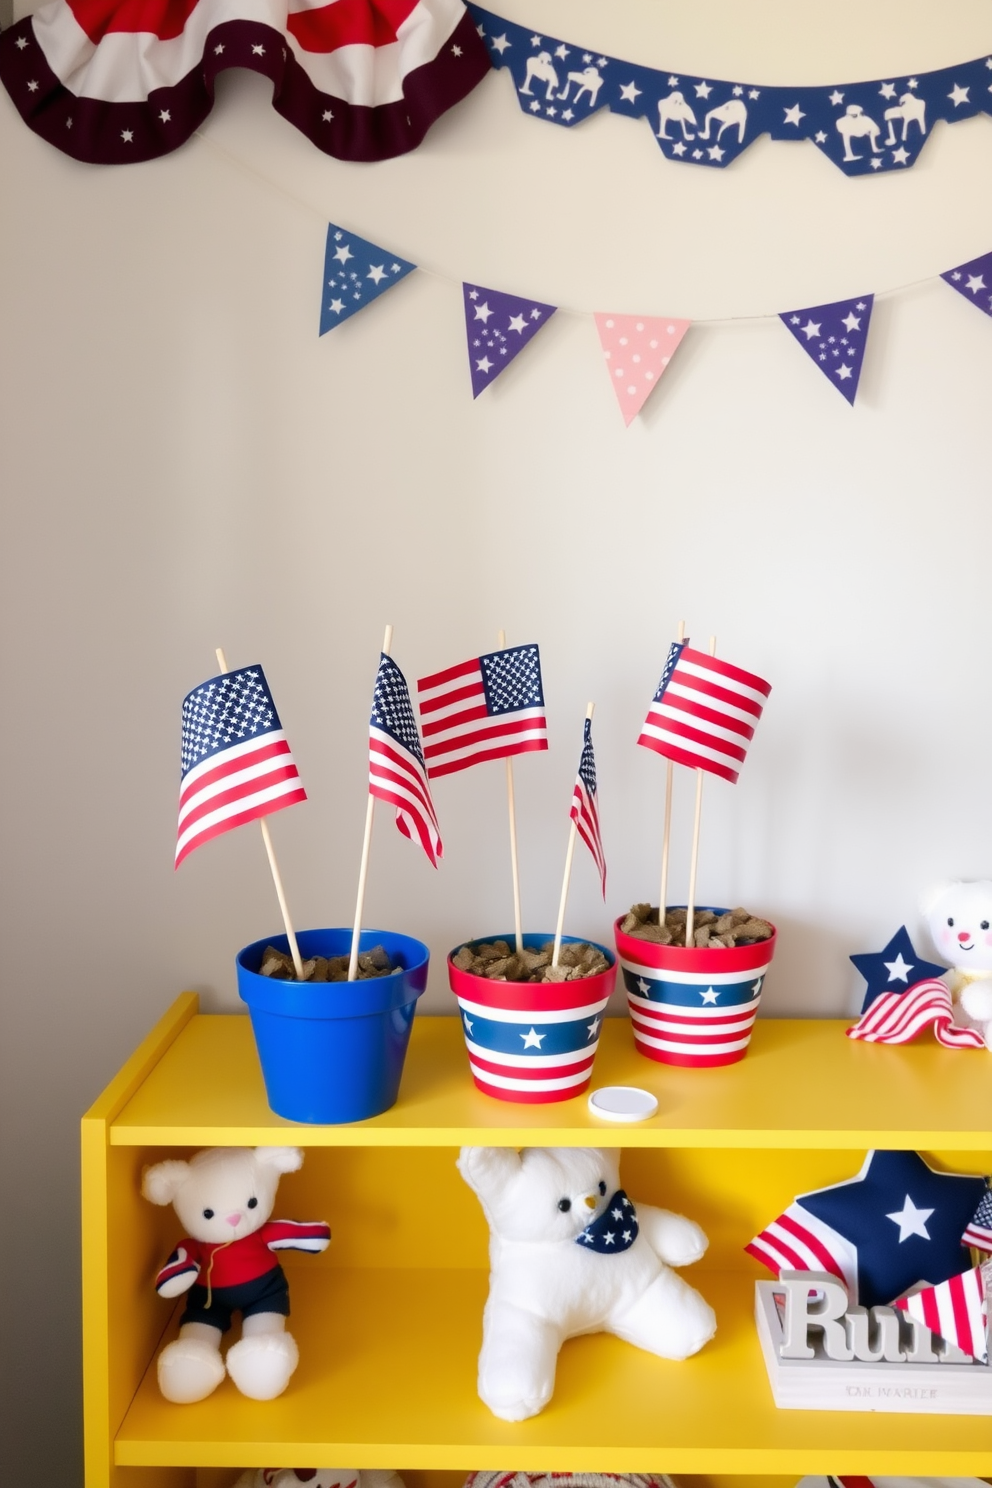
(389, 1320)
(802, 1085)
(387, 1379)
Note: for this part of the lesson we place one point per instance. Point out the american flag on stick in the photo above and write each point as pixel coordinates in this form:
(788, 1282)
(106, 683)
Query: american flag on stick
(704, 712)
(397, 772)
(488, 708)
(236, 760)
(585, 804)
(979, 1231)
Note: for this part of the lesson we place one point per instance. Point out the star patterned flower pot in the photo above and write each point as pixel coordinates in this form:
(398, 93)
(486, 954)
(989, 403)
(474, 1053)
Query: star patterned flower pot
(693, 1007)
(531, 1041)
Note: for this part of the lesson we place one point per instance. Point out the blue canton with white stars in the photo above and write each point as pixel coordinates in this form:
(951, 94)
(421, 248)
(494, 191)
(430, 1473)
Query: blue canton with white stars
(587, 763)
(230, 709)
(392, 710)
(512, 679)
(674, 652)
(615, 1229)
(356, 272)
(865, 128)
(894, 969)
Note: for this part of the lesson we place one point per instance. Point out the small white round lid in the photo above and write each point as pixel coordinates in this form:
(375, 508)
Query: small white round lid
(622, 1103)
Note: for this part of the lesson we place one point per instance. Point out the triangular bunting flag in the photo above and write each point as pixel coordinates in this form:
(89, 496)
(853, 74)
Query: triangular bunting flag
(974, 281)
(834, 336)
(956, 1310)
(356, 272)
(637, 349)
(498, 327)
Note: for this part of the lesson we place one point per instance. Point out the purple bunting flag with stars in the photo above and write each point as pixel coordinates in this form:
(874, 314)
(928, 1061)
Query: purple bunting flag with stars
(498, 326)
(834, 337)
(356, 272)
(973, 280)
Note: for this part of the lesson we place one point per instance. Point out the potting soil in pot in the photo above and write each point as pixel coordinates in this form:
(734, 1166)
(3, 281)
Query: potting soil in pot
(709, 931)
(500, 963)
(373, 963)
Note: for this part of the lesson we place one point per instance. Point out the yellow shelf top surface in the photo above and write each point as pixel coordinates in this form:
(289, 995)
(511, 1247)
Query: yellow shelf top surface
(802, 1084)
(387, 1379)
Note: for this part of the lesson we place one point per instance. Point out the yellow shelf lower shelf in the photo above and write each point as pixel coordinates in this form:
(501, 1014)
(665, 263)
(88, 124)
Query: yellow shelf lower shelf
(387, 1379)
(802, 1085)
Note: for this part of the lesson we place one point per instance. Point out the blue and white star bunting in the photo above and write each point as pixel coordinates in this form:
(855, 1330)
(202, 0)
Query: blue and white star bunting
(356, 272)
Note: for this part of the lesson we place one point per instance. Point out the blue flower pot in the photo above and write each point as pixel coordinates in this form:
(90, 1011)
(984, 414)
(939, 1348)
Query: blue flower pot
(333, 1051)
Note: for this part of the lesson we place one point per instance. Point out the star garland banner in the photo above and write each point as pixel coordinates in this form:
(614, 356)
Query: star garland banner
(356, 272)
(834, 337)
(498, 327)
(111, 82)
(865, 128)
(637, 349)
(973, 280)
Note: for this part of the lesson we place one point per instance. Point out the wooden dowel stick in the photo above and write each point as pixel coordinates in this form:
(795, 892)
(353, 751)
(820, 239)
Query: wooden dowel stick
(363, 872)
(518, 932)
(270, 851)
(590, 710)
(690, 908)
(666, 835)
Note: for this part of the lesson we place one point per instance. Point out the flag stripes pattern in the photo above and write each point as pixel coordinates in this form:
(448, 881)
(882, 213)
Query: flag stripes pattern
(585, 804)
(490, 707)
(898, 1017)
(397, 773)
(979, 1231)
(236, 761)
(799, 1241)
(704, 712)
(956, 1310)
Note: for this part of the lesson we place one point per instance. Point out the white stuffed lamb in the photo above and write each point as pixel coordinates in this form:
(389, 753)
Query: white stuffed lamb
(959, 917)
(568, 1255)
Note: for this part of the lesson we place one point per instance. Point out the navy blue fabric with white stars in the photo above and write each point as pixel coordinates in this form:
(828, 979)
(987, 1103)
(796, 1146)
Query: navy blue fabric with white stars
(834, 336)
(674, 652)
(512, 679)
(356, 272)
(865, 128)
(614, 1231)
(230, 709)
(392, 710)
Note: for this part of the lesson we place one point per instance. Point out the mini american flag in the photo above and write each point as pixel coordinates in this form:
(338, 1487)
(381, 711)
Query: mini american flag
(704, 712)
(236, 761)
(585, 804)
(956, 1310)
(979, 1231)
(397, 772)
(897, 1018)
(488, 708)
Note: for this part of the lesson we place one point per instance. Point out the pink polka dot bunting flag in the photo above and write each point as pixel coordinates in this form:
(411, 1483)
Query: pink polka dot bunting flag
(637, 348)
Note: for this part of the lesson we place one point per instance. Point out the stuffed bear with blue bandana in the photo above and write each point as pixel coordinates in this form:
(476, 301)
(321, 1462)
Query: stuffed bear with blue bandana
(569, 1253)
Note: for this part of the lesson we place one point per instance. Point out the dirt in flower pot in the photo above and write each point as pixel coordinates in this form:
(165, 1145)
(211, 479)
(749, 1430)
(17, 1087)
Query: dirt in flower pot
(499, 962)
(709, 931)
(373, 963)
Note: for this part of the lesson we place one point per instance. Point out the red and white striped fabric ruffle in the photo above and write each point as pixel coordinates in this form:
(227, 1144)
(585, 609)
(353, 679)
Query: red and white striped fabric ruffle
(957, 1311)
(898, 1017)
(115, 81)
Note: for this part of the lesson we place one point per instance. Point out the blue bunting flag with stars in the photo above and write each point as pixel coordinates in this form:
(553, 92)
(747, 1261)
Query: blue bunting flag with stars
(865, 128)
(834, 337)
(356, 272)
(973, 280)
(498, 327)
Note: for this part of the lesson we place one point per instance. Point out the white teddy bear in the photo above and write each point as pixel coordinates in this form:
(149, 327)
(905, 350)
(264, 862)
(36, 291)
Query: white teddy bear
(568, 1255)
(319, 1477)
(226, 1263)
(959, 917)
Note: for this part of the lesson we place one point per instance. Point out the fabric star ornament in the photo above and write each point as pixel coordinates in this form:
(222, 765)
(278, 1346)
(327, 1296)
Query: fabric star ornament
(973, 280)
(637, 349)
(356, 272)
(498, 327)
(895, 1224)
(897, 968)
(834, 336)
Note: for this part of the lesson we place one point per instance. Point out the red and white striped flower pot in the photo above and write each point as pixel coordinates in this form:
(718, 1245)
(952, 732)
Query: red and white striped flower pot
(692, 1007)
(531, 1041)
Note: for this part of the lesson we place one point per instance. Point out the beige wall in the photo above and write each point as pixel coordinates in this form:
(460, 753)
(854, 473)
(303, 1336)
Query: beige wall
(184, 464)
